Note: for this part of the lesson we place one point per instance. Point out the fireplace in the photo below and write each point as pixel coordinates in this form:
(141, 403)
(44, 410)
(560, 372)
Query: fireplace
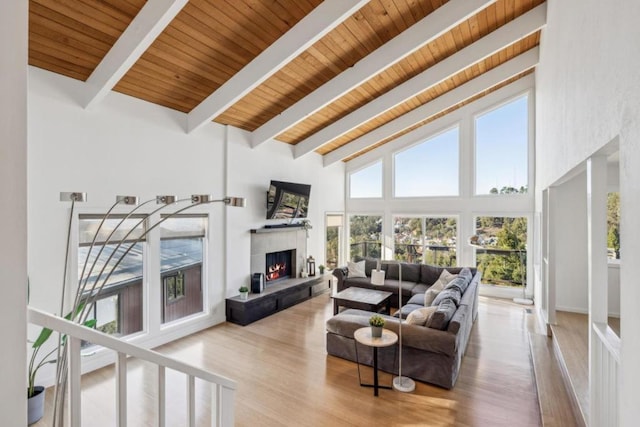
(279, 265)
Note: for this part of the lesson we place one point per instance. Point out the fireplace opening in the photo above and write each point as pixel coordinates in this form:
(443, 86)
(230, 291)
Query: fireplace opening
(279, 265)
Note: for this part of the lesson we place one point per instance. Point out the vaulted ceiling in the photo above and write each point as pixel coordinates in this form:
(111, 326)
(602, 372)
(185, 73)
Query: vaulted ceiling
(338, 77)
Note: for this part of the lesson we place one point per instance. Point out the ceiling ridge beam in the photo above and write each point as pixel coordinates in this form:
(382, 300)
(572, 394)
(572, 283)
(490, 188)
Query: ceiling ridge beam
(491, 78)
(424, 31)
(324, 18)
(495, 41)
(152, 19)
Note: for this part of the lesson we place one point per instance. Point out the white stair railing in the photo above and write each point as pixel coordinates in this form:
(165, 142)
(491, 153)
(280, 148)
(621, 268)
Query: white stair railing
(606, 356)
(223, 394)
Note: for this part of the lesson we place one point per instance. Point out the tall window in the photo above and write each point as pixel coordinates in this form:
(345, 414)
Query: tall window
(613, 225)
(367, 182)
(426, 239)
(333, 235)
(429, 168)
(365, 236)
(113, 268)
(182, 248)
(502, 137)
(503, 255)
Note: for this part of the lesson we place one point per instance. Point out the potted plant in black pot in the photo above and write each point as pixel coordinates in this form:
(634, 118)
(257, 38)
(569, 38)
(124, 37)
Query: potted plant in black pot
(36, 393)
(376, 322)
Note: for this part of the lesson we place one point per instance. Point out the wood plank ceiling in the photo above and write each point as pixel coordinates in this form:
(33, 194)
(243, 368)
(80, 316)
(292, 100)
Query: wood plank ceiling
(210, 41)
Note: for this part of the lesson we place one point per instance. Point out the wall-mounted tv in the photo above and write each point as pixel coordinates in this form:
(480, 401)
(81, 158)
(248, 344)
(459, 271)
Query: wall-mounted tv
(287, 200)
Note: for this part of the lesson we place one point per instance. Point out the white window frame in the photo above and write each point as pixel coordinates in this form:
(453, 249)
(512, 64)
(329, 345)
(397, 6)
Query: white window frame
(529, 93)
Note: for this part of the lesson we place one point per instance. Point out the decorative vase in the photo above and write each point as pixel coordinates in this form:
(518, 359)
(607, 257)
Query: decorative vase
(35, 405)
(244, 295)
(376, 331)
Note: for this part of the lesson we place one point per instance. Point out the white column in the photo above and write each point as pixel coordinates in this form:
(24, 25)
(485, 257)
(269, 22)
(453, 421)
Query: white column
(597, 274)
(13, 209)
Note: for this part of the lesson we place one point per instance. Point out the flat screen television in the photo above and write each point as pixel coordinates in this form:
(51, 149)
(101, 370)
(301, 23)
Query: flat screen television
(287, 200)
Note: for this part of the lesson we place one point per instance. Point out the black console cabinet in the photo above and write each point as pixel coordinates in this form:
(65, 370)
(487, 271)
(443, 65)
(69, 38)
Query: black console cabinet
(276, 297)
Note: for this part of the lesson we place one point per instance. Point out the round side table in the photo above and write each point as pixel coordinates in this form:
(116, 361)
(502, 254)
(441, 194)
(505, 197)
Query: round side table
(363, 336)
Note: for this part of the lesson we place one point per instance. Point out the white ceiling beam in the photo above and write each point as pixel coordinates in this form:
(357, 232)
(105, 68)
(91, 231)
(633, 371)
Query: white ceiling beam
(324, 18)
(499, 39)
(426, 30)
(152, 19)
(511, 68)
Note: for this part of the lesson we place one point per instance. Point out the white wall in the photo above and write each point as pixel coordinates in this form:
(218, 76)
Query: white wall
(571, 246)
(13, 210)
(588, 92)
(250, 172)
(126, 146)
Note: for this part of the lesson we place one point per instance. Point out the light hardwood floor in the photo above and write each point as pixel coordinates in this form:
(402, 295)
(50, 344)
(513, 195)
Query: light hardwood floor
(285, 377)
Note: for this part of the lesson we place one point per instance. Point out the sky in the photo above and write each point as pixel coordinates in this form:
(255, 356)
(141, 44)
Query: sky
(430, 168)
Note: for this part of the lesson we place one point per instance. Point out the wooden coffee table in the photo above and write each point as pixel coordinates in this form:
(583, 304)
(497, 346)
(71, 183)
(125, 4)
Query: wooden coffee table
(363, 299)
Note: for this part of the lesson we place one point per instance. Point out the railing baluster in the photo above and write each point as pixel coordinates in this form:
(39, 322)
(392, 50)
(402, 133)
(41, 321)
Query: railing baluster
(222, 403)
(225, 406)
(121, 389)
(191, 400)
(161, 396)
(75, 404)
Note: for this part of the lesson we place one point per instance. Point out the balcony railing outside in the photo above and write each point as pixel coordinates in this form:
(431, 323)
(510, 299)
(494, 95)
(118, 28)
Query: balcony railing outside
(503, 267)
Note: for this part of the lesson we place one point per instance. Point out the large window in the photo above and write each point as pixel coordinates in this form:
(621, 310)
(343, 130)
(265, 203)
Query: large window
(333, 238)
(429, 168)
(182, 248)
(365, 236)
(367, 182)
(613, 225)
(431, 240)
(114, 267)
(501, 149)
(502, 251)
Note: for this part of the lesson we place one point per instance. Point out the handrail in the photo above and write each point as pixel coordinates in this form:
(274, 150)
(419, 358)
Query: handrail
(609, 339)
(224, 388)
(64, 326)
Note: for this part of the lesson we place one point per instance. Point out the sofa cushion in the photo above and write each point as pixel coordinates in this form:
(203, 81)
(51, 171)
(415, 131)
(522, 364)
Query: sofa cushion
(466, 274)
(356, 269)
(420, 316)
(416, 299)
(429, 273)
(451, 293)
(407, 309)
(441, 317)
(369, 264)
(410, 272)
(459, 283)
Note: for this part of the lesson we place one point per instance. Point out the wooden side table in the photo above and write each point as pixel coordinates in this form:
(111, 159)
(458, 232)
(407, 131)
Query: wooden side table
(363, 336)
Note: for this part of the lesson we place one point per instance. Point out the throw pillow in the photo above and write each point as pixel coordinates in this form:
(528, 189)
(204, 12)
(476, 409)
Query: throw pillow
(432, 293)
(459, 283)
(445, 278)
(453, 294)
(437, 287)
(356, 269)
(420, 316)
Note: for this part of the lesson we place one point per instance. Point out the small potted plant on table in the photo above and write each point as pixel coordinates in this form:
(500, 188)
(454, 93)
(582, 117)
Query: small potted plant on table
(244, 292)
(321, 268)
(376, 322)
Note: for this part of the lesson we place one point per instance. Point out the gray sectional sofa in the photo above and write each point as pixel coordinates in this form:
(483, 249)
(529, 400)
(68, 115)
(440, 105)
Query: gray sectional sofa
(430, 354)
